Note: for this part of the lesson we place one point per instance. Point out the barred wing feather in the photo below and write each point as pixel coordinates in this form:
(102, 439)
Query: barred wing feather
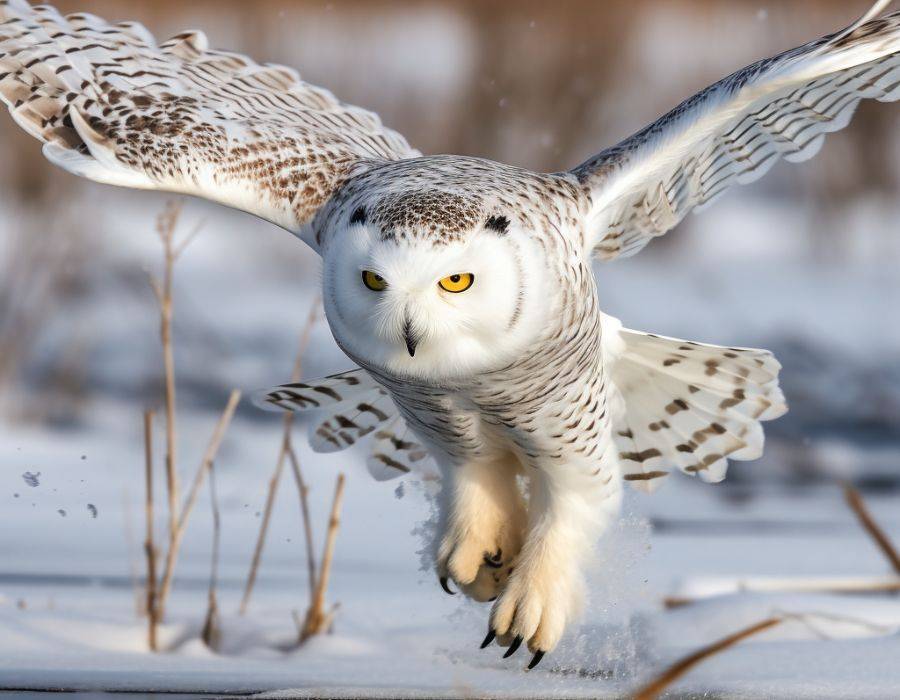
(112, 105)
(350, 408)
(685, 405)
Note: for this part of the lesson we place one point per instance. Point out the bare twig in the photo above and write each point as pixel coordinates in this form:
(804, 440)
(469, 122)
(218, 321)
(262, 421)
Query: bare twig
(205, 465)
(283, 453)
(317, 620)
(656, 687)
(856, 502)
(165, 229)
(149, 547)
(211, 628)
(303, 490)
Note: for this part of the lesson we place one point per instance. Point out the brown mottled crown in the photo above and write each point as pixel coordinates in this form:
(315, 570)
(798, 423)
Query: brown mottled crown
(442, 216)
(444, 198)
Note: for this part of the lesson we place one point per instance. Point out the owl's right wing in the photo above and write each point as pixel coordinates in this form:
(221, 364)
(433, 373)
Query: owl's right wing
(112, 105)
(734, 131)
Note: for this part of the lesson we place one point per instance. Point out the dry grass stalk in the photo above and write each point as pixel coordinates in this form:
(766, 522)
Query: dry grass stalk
(149, 547)
(283, 454)
(303, 490)
(166, 224)
(205, 466)
(856, 502)
(317, 620)
(656, 687)
(211, 628)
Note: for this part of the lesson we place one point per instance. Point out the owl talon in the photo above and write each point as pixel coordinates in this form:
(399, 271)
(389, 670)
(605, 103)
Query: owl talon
(488, 639)
(446, 586)
(513, 648)
(535, 660)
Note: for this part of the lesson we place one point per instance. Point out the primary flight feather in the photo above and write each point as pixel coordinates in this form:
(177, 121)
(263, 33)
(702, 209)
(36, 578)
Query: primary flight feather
(464, 288)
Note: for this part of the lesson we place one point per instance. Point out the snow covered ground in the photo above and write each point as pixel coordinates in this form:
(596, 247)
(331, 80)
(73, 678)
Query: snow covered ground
(68, 604)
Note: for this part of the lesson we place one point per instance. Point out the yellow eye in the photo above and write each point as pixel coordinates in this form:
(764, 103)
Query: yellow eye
(457, 283)
(376, 283)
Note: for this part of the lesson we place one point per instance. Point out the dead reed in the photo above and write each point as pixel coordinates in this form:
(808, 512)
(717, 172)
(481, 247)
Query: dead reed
(187, 508)
(883, 542)
(317, 619)
(149, 546)
(212, 630)
(178, 516)
(285, 453)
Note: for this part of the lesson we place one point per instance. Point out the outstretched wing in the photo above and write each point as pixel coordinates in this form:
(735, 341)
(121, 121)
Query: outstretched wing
(735, 130)
(112, 105)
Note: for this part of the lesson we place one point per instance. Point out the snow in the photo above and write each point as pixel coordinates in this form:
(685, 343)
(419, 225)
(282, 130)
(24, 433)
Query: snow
(68, 608)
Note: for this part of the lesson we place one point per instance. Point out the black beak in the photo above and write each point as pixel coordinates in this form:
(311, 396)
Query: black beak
(410, 338)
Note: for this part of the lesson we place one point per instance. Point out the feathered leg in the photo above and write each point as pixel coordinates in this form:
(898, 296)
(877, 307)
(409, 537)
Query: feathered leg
(483, 523)
(568, 511)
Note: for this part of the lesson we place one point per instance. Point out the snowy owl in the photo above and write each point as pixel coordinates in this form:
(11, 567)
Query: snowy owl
(464, 288)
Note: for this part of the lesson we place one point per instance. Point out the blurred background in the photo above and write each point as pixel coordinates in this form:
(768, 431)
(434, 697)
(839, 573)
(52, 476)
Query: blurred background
(805, 263)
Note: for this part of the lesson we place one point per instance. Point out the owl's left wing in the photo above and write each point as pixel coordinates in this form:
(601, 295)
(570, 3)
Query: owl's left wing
(112, 105)
(735, 130)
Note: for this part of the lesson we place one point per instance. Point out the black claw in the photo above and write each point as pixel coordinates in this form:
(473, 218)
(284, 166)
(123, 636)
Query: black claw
(536, 659)
(513, 648)
(488, 639)
(491, 600)
(445, 586)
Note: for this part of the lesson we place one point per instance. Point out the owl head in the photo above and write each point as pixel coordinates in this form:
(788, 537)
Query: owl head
(433, 285)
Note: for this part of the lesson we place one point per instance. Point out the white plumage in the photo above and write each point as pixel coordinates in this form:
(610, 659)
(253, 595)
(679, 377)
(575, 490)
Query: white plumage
(464, 288)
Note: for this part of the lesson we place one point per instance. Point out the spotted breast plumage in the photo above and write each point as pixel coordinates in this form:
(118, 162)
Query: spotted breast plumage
(464, 288)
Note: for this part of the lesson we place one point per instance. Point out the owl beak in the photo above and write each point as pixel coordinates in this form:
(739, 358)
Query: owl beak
(410, 337)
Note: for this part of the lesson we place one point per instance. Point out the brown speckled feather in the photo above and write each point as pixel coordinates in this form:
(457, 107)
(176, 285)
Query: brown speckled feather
(113, 105)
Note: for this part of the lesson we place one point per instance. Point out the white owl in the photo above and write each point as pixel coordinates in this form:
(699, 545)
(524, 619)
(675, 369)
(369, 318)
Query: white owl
(464, 288)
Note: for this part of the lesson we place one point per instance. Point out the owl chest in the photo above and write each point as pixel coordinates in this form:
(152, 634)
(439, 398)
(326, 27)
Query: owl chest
(555, 413)
(549, 405)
